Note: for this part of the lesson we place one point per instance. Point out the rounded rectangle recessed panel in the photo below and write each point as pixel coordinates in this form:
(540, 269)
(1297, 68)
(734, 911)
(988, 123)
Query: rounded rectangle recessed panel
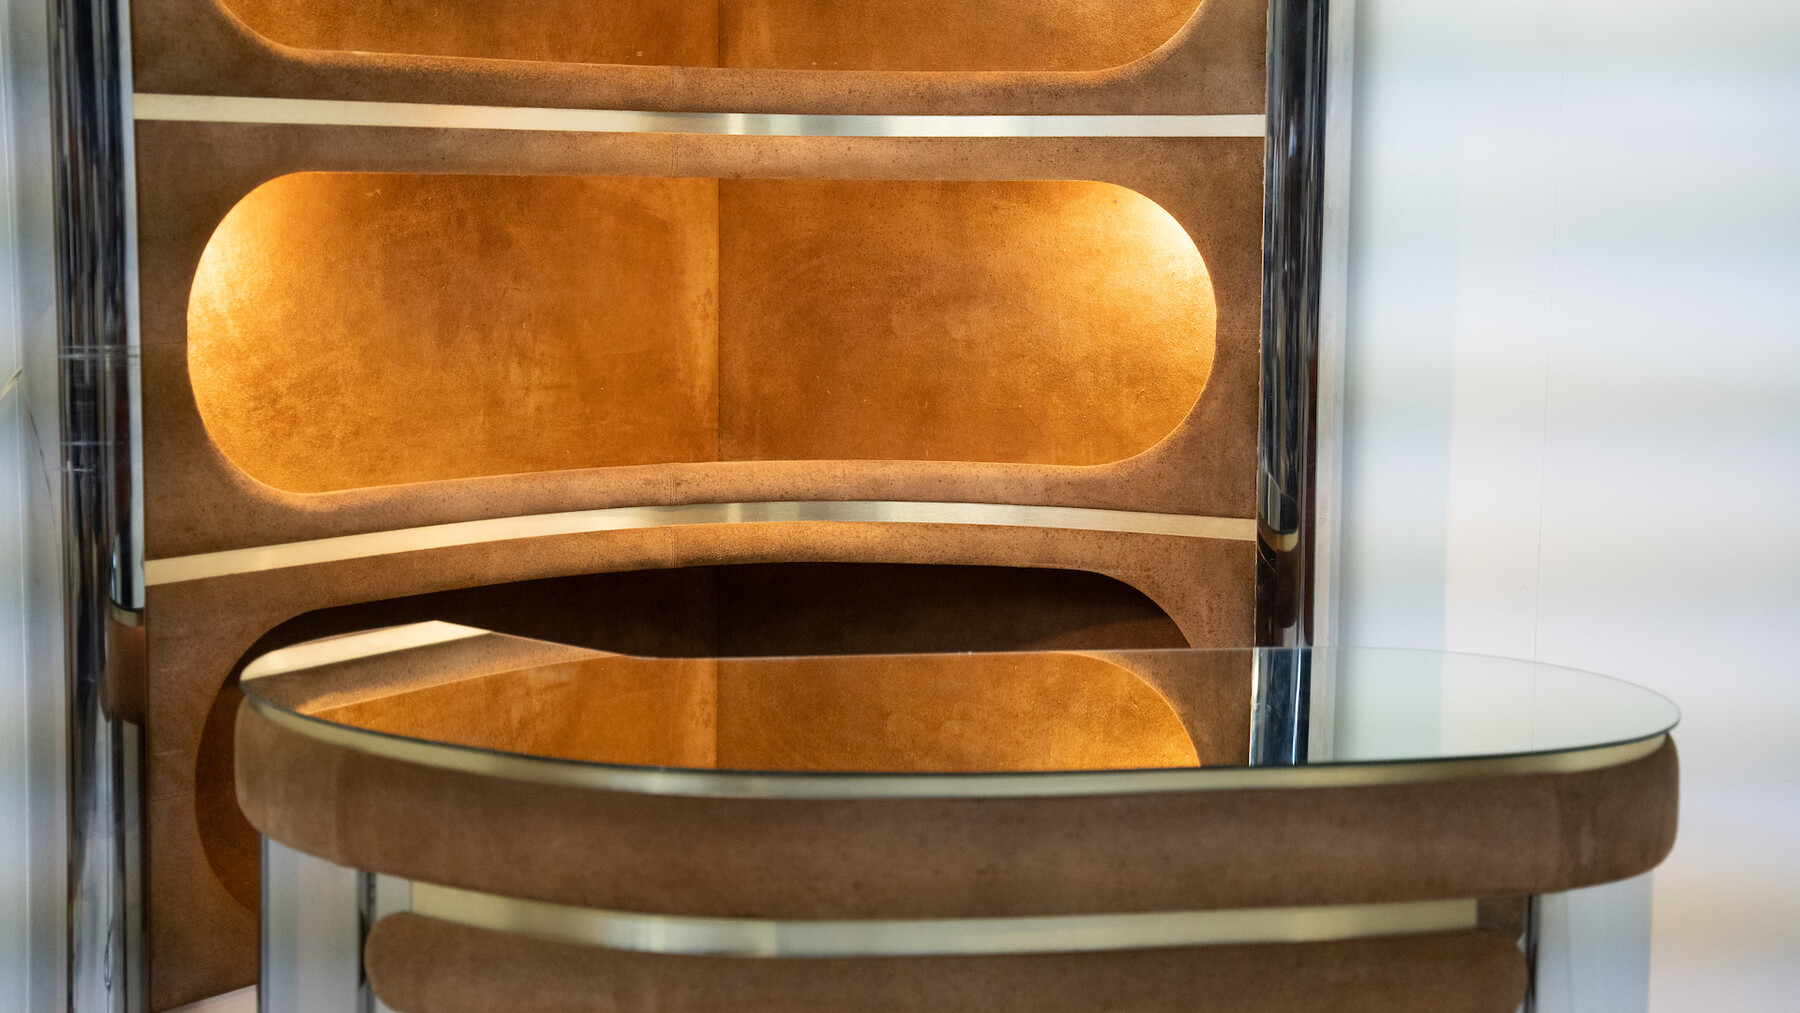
(351, 330)
(927, 35)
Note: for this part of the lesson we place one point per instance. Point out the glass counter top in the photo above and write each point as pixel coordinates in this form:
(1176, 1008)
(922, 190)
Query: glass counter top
(1044, 722)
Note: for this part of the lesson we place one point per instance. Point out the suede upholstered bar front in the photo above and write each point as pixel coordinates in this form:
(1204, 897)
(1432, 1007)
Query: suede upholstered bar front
(422, 965)
(956, 858)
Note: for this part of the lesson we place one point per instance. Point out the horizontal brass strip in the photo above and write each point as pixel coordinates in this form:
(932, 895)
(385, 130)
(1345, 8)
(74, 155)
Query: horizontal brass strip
(335, 112)
(789, 785)
(746, 937)
(380, 543)
(356, 646)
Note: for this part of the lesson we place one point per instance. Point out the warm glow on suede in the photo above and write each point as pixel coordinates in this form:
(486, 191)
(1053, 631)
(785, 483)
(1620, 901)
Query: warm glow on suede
(358, 330)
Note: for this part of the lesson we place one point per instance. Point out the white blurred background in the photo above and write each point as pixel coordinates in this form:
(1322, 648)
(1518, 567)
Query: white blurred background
(1572, 427)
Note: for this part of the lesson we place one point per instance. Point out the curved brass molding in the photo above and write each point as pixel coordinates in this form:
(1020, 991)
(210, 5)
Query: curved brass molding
(332, 112)
(379, 543)
(784, 785)
(746, 937)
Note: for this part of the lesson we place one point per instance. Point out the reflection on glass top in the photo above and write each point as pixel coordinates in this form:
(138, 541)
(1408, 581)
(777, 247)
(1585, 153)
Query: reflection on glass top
(948, 713)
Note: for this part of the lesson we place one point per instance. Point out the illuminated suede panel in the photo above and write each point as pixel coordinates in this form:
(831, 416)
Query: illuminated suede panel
(350, 330)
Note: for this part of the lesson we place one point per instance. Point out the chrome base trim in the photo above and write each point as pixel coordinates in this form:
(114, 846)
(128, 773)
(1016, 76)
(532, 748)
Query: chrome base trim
(788, 785)
(311, 933)
(380, 543)
(747, 937)
(334, 112)
(1591, 949)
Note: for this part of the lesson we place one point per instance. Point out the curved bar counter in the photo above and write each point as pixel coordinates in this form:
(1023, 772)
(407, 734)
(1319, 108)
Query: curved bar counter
(1035, 830)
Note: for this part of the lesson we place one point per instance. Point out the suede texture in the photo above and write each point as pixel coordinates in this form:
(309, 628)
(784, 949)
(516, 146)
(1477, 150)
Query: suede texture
(357, 329)
(1176, 591)
(957, 858)
(191, 175)
(970, 35)
(1050, 56)
(422, 965)
(945, 713)
(349, 330)
(896, 56)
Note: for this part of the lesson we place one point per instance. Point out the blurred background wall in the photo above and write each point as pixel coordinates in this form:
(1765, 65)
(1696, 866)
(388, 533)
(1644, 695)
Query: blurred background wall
(1572, 426)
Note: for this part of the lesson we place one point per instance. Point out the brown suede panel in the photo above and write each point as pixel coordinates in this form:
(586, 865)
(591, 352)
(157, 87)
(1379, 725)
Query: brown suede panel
(349, 330)
(422, 669)
(660, 712)
(958, 712)
(203, 940)
(1055, 323)
(354, 330)
(1212, 693)
(923, 57)
(199, 631)
(423, 965)
(1507, 916)
(948, 858)
(962, 35)
(191, 175)
(944, 713)
(678, 33)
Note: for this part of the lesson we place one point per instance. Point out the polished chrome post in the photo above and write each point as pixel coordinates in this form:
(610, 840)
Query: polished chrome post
(314, 917)
(102, 518)
(1293, 221)
(1280, 722)
(1590, 949)
(1293, 227)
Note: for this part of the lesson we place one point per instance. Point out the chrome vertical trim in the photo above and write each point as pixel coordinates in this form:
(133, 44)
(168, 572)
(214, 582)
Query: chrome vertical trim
(1292, 234)
(1280, 714)
(1590, 949)
(1334, 276)
(382, 895)
(103, 584)
(1528, 943)
(312, 933)
(129, 559)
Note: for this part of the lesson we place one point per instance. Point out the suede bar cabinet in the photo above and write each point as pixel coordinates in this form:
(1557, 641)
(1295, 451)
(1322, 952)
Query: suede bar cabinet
(754, 504)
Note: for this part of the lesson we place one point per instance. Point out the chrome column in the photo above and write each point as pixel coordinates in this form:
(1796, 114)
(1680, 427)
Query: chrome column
(102, 515)
(1293, 220)
(1293, 230)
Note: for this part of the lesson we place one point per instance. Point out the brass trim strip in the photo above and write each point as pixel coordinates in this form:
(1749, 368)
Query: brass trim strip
(747, 937)
(379, 543)
(356, 646)
(334, 112)
(784, 785)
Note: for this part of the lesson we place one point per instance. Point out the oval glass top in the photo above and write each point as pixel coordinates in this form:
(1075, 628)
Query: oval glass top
(928, 724)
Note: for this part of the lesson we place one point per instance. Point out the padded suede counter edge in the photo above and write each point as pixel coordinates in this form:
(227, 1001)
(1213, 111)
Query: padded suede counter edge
(950, 858)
